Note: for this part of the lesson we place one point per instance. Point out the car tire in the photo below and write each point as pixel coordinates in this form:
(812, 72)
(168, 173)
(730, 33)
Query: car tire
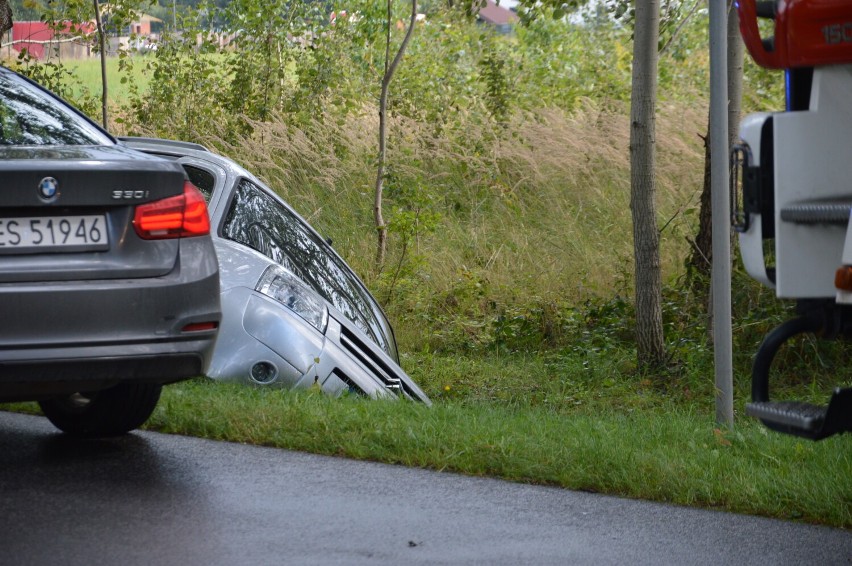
(111, 412)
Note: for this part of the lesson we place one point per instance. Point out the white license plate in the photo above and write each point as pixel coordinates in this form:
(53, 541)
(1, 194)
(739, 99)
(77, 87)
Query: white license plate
(54, 233)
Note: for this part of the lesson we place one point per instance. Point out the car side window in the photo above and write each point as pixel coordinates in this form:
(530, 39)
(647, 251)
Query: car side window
(205, 181)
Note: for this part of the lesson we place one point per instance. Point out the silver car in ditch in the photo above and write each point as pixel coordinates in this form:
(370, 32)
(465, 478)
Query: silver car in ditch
(109, 286)
(294, 314)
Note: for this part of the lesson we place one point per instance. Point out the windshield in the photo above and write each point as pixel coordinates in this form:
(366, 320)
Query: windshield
(31, 116)
(258, 220)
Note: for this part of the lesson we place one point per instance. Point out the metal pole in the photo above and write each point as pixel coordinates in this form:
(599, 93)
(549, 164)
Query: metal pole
(720, 200)
(103, 54)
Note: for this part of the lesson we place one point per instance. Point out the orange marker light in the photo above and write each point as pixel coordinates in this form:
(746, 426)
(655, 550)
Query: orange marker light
(843, 278)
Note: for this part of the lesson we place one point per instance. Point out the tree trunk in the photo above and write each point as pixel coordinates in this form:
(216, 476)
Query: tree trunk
(646, 236)
(5, 17)
(699, 262)
(390, 69)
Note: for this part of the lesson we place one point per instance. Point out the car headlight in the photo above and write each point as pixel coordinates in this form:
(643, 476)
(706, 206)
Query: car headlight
(281, 285)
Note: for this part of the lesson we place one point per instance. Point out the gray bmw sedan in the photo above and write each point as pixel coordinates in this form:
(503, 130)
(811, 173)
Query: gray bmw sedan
(109, 283)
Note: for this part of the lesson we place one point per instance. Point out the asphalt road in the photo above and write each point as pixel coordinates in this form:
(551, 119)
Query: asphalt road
(149, 498)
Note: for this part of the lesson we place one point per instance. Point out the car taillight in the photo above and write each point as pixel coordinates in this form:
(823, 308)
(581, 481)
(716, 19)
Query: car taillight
(180, 216)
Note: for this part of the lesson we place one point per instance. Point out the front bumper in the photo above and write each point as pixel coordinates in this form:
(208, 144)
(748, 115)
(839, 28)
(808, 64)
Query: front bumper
(257, 330)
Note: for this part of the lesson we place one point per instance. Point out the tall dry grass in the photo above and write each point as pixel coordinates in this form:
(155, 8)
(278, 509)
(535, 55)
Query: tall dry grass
(535, 212)
(541, 206)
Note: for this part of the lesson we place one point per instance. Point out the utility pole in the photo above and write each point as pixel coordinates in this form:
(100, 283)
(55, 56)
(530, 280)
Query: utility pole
(720, 200)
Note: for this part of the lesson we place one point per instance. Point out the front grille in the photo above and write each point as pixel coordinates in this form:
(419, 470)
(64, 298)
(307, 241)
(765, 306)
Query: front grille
(364, 354)
(353, 387)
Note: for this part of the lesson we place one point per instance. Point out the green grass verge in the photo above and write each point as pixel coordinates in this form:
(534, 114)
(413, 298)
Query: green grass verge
(545, 423)
(668, 453)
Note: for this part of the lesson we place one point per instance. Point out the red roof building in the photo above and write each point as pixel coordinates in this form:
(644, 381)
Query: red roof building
(498, 16)
(38, 38)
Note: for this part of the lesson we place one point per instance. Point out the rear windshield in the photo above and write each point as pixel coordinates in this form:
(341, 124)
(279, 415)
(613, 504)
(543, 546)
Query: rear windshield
(31, 116)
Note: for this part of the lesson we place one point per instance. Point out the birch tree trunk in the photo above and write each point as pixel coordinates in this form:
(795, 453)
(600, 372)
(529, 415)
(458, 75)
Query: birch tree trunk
(646, 236)
(390, 69)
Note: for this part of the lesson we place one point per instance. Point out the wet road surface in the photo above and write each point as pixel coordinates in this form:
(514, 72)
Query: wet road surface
(149, 498)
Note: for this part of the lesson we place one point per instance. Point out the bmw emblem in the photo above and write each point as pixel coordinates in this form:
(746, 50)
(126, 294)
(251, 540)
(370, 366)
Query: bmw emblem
(48, 189)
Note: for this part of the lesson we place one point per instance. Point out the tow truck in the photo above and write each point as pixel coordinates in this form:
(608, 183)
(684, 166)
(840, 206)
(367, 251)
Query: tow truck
(791, 194)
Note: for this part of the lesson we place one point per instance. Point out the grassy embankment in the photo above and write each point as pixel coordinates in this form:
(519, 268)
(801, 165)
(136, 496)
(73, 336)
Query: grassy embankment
(514, 315)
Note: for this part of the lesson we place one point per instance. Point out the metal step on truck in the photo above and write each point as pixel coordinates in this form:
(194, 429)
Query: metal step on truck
(791, 194)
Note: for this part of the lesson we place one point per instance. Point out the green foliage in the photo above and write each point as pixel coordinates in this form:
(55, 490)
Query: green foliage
(26, 10)
(439, 77)
(564, 63)
(493, 74)
(67, 20)
(187, 85)
(59, 79)
(335, 69)
(530, 10)
(413, 215)
(763, 88)
(265, 37)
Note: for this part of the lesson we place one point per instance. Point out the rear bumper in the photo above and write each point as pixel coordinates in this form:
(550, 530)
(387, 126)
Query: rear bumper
(81, 313)
(34, 379)
(87, 335)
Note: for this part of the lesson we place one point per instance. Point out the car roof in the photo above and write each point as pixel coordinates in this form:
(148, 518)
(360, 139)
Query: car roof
(179, 149)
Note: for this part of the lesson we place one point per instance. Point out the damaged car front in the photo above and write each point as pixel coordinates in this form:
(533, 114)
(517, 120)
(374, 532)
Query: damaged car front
(294, 314)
